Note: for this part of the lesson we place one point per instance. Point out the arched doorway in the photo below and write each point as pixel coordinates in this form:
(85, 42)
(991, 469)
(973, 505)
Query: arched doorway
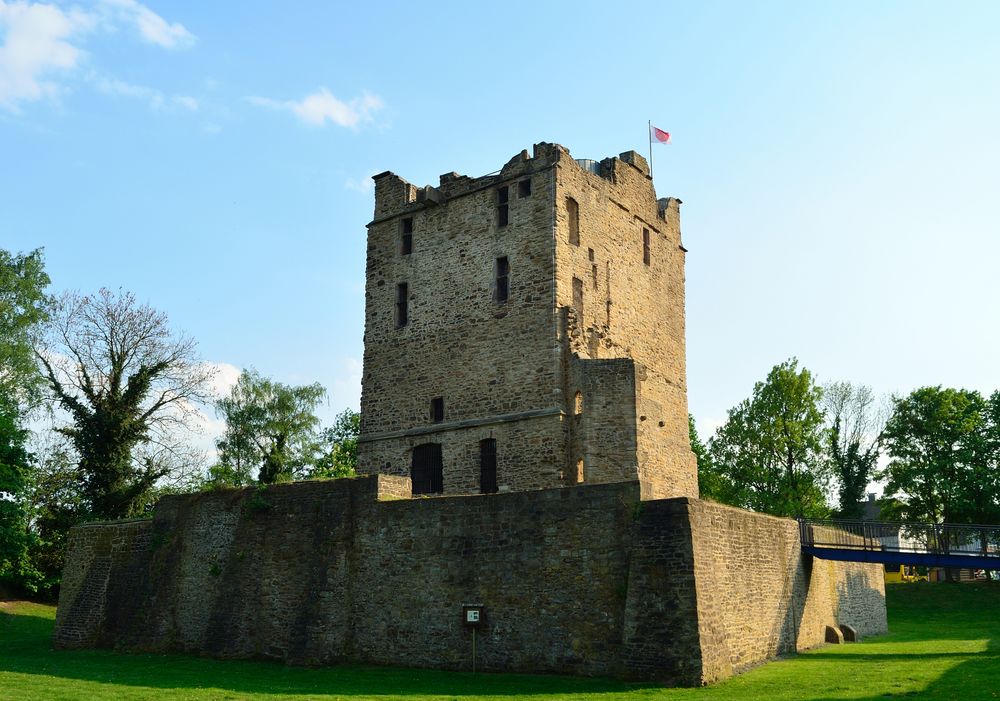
(426, 470)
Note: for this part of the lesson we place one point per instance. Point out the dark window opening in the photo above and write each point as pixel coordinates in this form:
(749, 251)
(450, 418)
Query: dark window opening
(573, 213)
(427, 470)
(502, 279)
(402, 305)
(437, 410)
(593, 272)
(406, 245)
(524, 188)
(578, 296)
(502, 212)
(488, 466)
(645, 246)
(590, 254)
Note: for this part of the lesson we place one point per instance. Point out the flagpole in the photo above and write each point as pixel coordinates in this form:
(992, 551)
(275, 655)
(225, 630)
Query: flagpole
(649, 134)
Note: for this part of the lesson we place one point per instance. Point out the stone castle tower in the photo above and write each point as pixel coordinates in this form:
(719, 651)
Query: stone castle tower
(526, 330)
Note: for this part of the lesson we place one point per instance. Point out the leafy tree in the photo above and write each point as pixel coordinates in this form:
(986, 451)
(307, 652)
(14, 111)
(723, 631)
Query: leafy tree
(128, 384)
(340, 458)
(770, 448)
(270, 427)
(853, 442)
(23, 307)
(15, 470)
(54, 502)
(712, 484)
(982, 498)
(942, 444)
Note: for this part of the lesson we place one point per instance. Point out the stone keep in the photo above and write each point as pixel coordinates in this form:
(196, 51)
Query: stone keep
(525, 330)
(576, 376)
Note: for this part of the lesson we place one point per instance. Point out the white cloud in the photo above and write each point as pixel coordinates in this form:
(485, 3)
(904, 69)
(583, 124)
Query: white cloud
(152, 28)
(41, 47)
(156, 99)
(35, 49)
(364, 184)
(185, 101)
(224, 378)
(322, 106)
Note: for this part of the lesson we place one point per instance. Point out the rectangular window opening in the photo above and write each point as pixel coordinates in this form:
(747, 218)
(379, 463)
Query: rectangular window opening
(488, 466)
(645, 246)
(503, 215)
(406, 240)
(402, 305)
(573, 214)
(437, 410)
(502, 288)
(524, 188)
(593, 272)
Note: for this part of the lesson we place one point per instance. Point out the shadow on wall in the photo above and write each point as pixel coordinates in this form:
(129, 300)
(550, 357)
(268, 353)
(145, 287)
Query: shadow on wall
(859, 603)
(855, 602)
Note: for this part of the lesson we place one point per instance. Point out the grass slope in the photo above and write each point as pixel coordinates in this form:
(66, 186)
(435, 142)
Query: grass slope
(945, 644)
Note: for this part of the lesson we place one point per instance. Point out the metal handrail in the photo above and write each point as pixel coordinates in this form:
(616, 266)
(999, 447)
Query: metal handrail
(982, 540)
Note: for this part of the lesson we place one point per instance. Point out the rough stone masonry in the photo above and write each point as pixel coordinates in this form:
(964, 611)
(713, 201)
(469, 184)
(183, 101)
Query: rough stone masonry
(524, 431)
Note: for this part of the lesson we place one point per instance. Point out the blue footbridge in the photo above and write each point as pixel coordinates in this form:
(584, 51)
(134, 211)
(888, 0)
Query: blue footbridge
(891, 543)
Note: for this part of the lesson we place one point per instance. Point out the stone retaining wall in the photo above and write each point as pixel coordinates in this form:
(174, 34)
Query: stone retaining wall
(586, 580)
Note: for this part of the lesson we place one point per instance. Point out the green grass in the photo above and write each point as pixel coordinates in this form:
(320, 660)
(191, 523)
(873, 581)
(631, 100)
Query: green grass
(945, 644)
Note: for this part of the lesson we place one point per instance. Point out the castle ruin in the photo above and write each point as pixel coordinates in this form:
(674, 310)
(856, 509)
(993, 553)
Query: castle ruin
(524, 455)
(525, 330)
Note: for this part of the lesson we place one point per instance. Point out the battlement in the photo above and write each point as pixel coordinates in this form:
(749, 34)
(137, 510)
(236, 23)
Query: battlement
(395, 196)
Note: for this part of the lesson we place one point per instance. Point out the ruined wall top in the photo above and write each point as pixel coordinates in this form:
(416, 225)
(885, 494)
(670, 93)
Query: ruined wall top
(395, 196)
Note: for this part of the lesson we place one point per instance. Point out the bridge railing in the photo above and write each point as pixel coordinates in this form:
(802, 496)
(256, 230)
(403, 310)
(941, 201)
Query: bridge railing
(944, 538)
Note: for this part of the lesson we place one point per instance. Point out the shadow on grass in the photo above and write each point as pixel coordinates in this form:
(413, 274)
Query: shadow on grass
(949, 611)
(25, 648)
(976, 678)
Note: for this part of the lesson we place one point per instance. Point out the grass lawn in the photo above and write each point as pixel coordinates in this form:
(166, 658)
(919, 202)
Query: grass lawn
(945, 644)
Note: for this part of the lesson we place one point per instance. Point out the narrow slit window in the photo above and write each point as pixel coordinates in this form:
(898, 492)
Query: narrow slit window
(437, 410)
(645, 246)
(502, 288)
(406, 237)
(488, 466)
(573, 214)
(593, 272)
(503, 214)
(524, 188)
(402, 305)
(578, 296)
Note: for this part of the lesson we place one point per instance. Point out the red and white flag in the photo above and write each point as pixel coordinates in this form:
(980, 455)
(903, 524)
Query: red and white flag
(658, 135)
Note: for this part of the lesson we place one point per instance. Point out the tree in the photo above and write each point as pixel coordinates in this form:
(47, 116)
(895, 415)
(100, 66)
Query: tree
(853, 442)
(270, 427)
(982, 499)
(770, 448)
(128, 384)
(23, 308)
(712, 484)
(942, 444)
(340, 458)
(54, 503)
(15, 468)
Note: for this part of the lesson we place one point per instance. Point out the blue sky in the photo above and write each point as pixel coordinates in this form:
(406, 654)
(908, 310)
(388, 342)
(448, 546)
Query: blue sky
(837, 162)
